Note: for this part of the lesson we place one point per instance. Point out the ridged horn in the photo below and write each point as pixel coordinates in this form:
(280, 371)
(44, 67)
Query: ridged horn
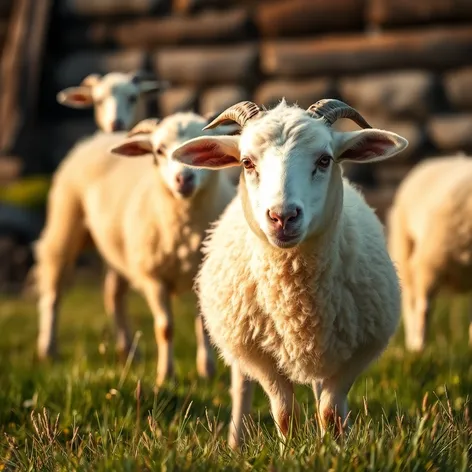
(332, 110)
(241, 113)
(144, 127)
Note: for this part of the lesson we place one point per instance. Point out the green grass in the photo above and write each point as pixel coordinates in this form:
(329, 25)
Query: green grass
(410, 412)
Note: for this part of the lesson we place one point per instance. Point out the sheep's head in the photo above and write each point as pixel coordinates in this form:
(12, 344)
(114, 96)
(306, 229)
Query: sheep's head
(116, 97)
(292, 181)
(160, 139)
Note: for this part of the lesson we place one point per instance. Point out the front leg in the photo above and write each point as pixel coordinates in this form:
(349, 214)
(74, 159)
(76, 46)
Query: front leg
(205, 360)
(279, 389)
(333, 406)
(158, 298)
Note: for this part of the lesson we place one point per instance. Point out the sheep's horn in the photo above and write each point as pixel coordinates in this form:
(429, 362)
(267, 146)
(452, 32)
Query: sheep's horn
(144, 127)
(240, 113)
(332, 110)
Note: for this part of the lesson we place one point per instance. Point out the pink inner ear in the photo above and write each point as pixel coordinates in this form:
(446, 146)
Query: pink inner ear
(208, 155)
(79, 97)
(131, 149)
(368, 148)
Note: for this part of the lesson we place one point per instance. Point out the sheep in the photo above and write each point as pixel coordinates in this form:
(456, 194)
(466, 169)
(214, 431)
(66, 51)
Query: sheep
(146, 220)
(430, 239)
(118, 98)
(296, 284)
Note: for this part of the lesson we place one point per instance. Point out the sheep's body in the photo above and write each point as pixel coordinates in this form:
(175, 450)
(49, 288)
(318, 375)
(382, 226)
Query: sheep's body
(430, 238)
(310, 309)
(296, 285)
(146, 235)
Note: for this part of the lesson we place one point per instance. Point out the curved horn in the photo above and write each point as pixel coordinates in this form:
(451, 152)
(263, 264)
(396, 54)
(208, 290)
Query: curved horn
(144, 127)
(240, 113)
(332, 110)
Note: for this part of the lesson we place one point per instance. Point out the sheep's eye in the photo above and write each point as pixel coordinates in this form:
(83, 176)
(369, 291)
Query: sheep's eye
(132, 99)
(323, 162)
(247, 163)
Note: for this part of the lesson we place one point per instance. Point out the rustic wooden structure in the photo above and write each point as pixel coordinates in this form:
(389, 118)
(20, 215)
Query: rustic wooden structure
(405, 65)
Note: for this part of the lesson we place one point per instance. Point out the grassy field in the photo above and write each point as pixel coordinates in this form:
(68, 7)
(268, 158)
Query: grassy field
(83, 413)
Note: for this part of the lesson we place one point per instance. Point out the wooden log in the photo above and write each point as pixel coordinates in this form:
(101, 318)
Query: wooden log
(458, 88)
(107, 8)
(407, 12)
(451, 132)
(71, 70)
(435, 48)
(148, 32)
(216, 99)
(177, 99)
(208, 65)
(299, 17)
(409, 94)
(303, 92)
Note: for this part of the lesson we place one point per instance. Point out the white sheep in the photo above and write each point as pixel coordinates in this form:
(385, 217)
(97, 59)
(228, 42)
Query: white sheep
(296, 285)
(146, 221)
(119, 99)
(430, 239)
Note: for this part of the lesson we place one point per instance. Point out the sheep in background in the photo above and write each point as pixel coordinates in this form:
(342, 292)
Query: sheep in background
(430, 239)
(147, 221)
(118, 98)
(296, 285)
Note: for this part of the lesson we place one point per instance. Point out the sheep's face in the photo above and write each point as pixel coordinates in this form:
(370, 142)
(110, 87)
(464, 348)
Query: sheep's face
(161, 140)
(291, 168)
(116, 98)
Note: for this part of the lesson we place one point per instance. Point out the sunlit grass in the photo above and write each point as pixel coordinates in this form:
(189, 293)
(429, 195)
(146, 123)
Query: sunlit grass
(86, 412)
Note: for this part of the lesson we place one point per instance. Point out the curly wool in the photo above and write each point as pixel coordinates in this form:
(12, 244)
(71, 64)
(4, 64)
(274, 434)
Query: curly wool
(309, 308)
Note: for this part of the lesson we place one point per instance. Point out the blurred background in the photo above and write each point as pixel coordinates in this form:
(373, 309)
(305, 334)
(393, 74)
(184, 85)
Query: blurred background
(405, 65)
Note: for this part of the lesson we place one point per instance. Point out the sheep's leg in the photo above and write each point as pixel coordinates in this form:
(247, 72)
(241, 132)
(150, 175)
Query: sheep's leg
(205, 359)
(333, 406)
(417, 318)
(241, 398)
(53, 262)
(158, 298)
(115, 290)
(279, 389)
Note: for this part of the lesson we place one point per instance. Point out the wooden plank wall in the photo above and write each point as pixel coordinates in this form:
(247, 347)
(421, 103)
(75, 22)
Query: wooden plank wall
(405, 65)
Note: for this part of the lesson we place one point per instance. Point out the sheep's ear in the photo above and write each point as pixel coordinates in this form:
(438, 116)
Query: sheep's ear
(76, 97)
(367, 145)
(209, 152)
(132, 148)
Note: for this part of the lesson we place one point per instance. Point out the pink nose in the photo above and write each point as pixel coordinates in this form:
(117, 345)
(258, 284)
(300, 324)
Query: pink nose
(281, 219)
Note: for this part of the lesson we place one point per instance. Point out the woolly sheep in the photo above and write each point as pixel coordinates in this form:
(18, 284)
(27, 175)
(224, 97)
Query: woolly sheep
(146, 221)
(430, 239)
(296, 285)
(118, 98)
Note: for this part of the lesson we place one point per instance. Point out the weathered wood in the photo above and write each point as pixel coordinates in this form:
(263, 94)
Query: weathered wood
(177, 99)
(407, 12)
(71, 70)
(205, 28)
(303, 92)
(217, 99)
(300, 17)
(438, 48)
(409, 94)
(90, 8)
(10, 72)
(458, 88)
(451, 132)
(208, 65)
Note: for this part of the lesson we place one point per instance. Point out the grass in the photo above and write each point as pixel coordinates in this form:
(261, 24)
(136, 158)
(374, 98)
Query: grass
(89, 412)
